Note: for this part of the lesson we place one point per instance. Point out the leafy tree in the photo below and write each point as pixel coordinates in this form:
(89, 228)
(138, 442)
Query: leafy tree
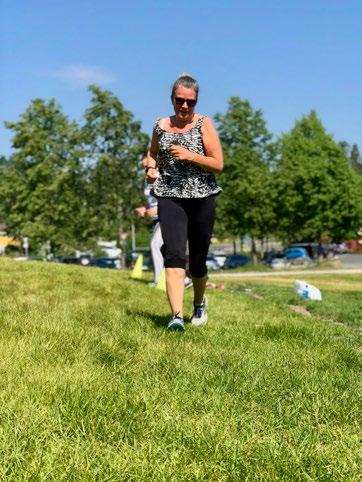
(353, 155)
(317, 191)
(3, 161)
(246, 205)
(114, 144)
(42, 183)
(3, 167)
(356, 160)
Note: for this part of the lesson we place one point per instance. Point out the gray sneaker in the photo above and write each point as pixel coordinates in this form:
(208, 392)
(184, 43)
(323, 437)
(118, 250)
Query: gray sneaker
(188, 282)
(199, 316)
(176, 324)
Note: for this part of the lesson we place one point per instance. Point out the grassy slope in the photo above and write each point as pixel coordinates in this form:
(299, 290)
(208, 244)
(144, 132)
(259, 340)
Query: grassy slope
(92, 387)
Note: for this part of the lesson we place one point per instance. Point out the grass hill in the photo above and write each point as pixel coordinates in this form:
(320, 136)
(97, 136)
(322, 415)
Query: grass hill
(93, 388)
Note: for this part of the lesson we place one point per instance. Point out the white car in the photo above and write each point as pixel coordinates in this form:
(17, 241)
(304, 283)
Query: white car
(279, 263)
(220, 258)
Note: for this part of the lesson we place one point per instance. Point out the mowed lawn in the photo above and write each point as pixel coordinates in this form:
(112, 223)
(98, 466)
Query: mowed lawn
(93, 387)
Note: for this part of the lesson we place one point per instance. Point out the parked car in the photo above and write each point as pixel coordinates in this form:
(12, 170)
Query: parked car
(340, 248)
(104, 262)
(279, 263)
(270, 256)
(297, 256)
(81, 260)
(235, 261)
(327, 250)
(314, 250)
(212, 263)
(220, 258)
(296, 252)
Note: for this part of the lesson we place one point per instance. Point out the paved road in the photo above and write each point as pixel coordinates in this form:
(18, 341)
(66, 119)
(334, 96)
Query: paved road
(351, 260)
(291, 272)
(350, 264)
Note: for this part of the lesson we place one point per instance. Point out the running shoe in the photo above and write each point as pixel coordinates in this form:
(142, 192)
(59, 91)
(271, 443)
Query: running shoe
(199, 316)
(176, 324)
(188, 282)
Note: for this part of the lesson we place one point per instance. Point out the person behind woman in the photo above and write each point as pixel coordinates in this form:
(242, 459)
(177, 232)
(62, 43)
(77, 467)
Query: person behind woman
(156, 241)
(185, 154)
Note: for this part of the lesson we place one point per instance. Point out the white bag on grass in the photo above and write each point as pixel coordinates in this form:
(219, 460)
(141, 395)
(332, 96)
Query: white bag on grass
(306, 290)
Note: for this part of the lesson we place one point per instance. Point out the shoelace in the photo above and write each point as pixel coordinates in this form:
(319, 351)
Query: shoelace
(198, 310)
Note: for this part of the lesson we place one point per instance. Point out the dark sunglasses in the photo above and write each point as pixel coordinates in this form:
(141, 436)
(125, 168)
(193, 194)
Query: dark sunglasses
(190, 102)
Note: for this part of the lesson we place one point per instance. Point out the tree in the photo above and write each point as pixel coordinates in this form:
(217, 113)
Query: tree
(42, 183)
(114, 144)
(317, 191)
(353, 155)
(246, 205)
(356, 160)
(3, 169)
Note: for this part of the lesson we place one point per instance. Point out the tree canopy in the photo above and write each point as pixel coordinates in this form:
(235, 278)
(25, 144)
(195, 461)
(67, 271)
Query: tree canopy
(72, 183)
(246, 204)
(42, 185)
(317, 191)
(115, 144)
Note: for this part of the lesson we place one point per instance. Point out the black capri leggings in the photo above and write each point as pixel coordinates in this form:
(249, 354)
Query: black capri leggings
(185, 220)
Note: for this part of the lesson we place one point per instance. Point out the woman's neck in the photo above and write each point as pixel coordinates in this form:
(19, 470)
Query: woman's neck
(181, 123)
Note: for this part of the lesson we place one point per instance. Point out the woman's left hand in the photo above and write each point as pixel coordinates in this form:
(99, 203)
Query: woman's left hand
(180, 153)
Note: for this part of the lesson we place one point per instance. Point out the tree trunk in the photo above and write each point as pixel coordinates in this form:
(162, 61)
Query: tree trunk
(262, 247)
(254, 258)
(234, 246)
(122, 244)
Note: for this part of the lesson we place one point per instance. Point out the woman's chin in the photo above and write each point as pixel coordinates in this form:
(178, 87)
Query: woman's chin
(184, 116)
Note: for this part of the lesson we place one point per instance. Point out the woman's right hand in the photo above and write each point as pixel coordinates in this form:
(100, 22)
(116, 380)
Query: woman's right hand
(152, 174)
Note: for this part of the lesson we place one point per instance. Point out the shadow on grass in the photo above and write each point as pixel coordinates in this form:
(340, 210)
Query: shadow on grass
(141, 281)
(160, 321)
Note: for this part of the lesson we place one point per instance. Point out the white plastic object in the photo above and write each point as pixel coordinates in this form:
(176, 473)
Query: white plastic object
(306, 290)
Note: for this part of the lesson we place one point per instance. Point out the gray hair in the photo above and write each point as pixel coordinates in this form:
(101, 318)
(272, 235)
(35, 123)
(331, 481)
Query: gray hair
(185, 80)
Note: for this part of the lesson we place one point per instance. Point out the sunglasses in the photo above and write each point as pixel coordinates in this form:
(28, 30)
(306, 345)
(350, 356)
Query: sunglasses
(190, 102)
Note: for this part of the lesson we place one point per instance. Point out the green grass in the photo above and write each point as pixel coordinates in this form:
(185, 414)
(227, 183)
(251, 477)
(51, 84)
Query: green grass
(342, 295)
(93, 388)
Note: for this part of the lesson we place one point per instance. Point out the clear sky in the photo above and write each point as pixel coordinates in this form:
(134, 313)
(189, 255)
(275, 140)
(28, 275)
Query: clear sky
(285, 56)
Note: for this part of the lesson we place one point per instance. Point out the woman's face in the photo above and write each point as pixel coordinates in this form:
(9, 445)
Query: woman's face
(184, 101)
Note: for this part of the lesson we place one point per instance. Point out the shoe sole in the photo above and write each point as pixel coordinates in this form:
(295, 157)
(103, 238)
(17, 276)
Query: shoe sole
(193, 323)
(175, 326)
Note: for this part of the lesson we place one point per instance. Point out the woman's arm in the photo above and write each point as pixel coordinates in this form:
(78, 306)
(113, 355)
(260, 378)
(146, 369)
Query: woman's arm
(213, 161)
(151, 169)
(153, 151)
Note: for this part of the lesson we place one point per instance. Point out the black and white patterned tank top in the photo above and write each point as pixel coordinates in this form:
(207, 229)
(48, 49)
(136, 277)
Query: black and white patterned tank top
(182, 179)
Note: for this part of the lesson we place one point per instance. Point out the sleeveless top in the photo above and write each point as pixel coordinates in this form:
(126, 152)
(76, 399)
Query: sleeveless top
(182, 179)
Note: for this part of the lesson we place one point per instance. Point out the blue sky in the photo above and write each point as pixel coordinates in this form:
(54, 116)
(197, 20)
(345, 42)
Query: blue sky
(285, 56)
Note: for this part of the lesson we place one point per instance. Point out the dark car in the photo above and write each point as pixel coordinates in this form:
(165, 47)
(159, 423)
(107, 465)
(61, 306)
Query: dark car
(104, 262)
(235, 261)
(269, 256)
(81, 260)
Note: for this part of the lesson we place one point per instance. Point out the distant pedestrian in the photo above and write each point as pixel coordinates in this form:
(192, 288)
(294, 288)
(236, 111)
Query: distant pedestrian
(156, 241)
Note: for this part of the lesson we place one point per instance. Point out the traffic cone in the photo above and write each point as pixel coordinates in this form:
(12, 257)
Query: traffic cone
(161, 285)
(137, 270)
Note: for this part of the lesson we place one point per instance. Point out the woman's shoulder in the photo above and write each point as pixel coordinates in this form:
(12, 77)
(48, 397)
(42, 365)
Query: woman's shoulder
(206, 120)
(161, 123)
(207, 123)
